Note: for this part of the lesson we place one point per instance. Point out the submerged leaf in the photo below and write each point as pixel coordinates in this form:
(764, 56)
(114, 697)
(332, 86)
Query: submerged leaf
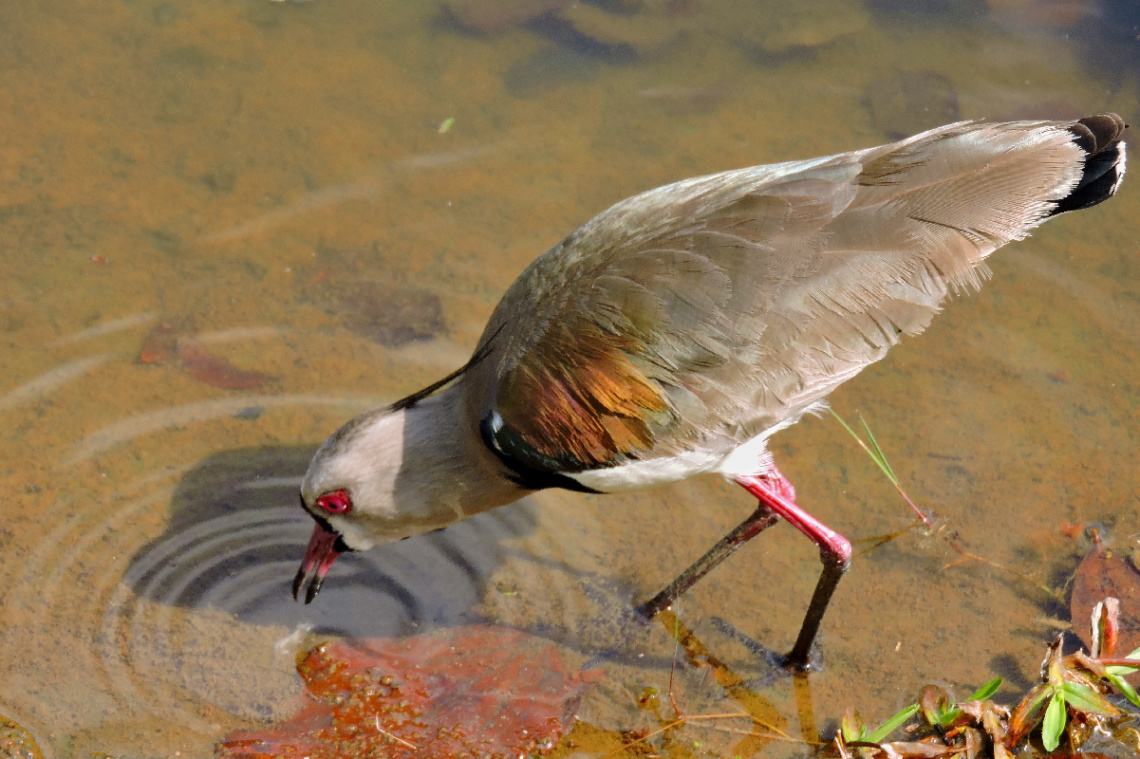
(1107, 573)
(915, 750)
(470, 691)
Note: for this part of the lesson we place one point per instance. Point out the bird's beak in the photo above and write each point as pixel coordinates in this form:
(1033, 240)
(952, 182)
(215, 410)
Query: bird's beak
(324, 546)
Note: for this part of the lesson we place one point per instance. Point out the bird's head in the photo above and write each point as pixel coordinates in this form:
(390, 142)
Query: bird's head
(350, 490)
(392, 473)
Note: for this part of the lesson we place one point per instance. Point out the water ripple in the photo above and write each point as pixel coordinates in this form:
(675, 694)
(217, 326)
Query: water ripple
(50, 381)
(133, 427)
(107, 328)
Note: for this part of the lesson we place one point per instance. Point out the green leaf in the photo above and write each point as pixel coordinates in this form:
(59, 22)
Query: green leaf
(892, 724)
(1124, 687)
(1054, 723)
(1085, 699)
(987, 690)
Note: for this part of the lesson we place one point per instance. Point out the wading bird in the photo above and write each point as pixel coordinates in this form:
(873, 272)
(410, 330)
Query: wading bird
(674, 333)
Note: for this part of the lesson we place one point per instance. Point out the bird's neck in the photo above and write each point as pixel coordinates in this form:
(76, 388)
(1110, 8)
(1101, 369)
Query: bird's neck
(446, 471)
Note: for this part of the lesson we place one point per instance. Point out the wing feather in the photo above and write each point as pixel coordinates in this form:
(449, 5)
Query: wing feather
(714, 309)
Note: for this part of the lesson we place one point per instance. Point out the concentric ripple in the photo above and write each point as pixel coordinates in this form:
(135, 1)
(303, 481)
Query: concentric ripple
(169, 594)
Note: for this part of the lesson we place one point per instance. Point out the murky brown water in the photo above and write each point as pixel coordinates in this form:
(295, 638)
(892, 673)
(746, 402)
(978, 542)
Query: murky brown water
(227, 226)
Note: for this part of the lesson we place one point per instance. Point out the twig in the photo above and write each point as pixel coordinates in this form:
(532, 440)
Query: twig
(390, 736)
(673, 664)
(775, 734)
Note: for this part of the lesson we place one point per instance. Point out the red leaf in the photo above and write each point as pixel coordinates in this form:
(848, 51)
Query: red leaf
(471, 691)
(208, 368)
(169, 343)
(1104, 573)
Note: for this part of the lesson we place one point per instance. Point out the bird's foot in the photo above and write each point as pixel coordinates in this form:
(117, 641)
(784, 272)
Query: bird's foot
(777, 661)
(796, 665)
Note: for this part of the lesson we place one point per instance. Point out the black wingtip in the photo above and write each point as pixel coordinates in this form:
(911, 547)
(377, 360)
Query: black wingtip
(1095, 133)
(1099, 136)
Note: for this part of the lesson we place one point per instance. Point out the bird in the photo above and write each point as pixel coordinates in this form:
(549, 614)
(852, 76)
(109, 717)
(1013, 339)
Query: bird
(674, 333)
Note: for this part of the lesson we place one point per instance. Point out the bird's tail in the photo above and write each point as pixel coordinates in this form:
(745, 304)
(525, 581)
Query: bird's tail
(1099, 136)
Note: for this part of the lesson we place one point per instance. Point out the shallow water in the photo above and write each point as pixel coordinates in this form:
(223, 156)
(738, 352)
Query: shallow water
(198, 202)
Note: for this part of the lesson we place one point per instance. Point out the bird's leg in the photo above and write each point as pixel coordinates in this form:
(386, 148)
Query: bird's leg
(777, 496)
(757, 522)
(777, 499)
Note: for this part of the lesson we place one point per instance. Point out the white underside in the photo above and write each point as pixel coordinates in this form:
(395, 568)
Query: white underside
(748, 458)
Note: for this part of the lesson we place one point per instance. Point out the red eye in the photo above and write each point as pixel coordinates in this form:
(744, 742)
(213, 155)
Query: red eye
(335, 502)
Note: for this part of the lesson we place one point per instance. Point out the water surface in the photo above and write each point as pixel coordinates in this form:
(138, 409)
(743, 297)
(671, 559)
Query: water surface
(228, 226)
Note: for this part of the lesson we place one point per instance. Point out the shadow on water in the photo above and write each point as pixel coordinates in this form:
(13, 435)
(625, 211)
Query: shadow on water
(236, 535)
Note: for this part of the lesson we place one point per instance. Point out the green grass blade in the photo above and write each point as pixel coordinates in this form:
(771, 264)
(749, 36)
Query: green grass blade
(895, 722)
(987, 690)
(875, 454)
(880, 456)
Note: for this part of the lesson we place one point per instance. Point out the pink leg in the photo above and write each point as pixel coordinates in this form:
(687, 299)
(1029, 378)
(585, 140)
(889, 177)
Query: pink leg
(777, 499)
(777, 494)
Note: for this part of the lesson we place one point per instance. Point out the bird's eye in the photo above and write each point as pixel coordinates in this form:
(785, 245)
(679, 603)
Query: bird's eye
(335, 502)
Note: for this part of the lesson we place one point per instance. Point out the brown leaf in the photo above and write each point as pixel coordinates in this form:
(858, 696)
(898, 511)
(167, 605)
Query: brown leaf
(470, 691)
(975, 742)
(1025, 716)
(1102, 574)
(934, 702)
(916, 750)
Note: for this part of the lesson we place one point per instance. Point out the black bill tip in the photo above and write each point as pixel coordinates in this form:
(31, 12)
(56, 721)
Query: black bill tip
(298, 581)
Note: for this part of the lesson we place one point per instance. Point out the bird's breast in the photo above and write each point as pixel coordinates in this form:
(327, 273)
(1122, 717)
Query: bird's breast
(648, 473)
